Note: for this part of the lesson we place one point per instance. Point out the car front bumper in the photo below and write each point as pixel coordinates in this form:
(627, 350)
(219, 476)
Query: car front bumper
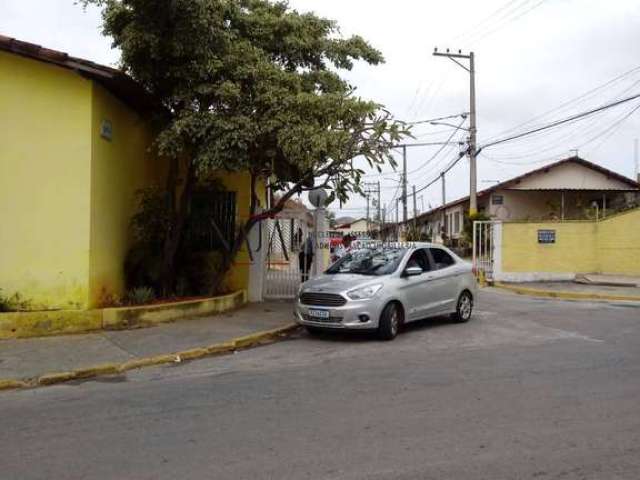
(354, 315)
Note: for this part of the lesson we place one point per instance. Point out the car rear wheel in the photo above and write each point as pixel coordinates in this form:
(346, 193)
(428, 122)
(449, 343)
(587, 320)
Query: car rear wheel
(390, 321)
(464, 308)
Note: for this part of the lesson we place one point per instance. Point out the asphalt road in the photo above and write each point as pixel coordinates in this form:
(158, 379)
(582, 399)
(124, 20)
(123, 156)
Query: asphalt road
(530, 389)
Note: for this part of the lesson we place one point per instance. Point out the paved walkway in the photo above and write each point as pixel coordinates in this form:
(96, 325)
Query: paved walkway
(28, 358)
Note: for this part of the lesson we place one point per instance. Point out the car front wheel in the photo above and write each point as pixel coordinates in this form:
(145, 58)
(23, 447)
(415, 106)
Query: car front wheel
(464, 308)
(390, 321)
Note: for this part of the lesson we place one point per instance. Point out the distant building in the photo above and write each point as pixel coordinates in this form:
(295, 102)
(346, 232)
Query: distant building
(570, 189)
(360, 228)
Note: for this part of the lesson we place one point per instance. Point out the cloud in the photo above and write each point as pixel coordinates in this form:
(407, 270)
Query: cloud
(527, 64)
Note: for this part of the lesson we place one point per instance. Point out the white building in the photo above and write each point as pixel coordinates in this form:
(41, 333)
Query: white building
(570, 189)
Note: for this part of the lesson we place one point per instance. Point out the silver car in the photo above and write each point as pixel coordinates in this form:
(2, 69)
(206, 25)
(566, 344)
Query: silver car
(383, 288)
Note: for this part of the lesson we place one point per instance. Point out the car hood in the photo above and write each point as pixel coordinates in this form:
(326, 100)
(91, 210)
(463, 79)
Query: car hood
(339, 282)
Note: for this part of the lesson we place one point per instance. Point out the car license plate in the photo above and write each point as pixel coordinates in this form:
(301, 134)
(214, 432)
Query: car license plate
(321, 314)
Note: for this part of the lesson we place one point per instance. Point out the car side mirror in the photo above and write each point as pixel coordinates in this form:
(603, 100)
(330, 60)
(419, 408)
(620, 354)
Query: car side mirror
(413, 272)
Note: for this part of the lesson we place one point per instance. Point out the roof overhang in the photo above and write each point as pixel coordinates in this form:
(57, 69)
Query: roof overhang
(114, 80)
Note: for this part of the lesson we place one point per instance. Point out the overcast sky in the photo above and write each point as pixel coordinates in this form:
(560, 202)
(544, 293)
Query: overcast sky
(532, 56)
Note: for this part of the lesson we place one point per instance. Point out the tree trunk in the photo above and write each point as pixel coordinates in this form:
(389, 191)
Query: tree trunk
(174, 237)
(254, 219)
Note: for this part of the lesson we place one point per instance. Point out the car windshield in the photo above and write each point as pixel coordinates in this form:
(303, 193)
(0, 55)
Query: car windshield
(369, 261)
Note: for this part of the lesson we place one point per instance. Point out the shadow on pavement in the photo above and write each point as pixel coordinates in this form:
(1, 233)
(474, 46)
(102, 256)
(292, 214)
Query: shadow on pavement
(340, 336)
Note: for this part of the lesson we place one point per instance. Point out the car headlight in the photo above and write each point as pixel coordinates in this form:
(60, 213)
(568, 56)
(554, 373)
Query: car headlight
(364, 292)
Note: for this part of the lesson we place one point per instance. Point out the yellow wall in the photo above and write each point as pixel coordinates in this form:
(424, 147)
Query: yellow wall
(609, 246)
(240, 182)
(618, 244)
(45, 158)
(120, 167)
(574, 250)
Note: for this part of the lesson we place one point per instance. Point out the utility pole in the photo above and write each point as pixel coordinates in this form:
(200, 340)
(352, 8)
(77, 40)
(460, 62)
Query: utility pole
(473, 129)
(404, 183)
(369, 189)
(379, 205)
(415, 208)
(367, 213)
(636, 159)
(444, 202)
(397, 220)
(383, 224)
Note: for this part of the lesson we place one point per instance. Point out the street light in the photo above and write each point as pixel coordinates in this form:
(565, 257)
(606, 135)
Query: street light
(457, 127)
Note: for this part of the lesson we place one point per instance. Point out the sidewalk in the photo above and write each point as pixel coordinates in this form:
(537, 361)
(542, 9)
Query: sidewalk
(31, 358)
(573, 290)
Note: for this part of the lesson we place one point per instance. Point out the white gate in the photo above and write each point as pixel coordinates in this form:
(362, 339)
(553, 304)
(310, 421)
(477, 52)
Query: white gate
(285, 236)
(484, 250)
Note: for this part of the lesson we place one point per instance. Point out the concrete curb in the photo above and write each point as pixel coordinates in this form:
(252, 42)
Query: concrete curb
(564, 295)
(66, 322)
(108, 369)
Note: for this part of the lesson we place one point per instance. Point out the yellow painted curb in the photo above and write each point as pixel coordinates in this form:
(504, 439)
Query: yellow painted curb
(565, 295)
(52, 378)
(185, 355)
(146, 362)
(66, 322)
(106, 369)
(12, 384)
(219, 348)
(148, 315)
(260, 337)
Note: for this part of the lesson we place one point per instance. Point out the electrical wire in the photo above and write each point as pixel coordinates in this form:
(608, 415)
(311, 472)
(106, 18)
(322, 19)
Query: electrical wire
(499, 13)
(572, 118)
(575, 100)
(508, 22)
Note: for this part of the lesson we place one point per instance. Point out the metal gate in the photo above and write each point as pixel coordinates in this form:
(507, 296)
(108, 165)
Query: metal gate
(483, 250)
(285, 236)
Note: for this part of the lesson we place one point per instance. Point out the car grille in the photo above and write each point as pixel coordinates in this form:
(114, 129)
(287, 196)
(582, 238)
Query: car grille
(322, 299)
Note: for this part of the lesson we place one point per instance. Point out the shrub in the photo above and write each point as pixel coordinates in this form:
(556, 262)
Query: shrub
(143, 266)
(108, 299)
(196, 270)
(140, 296)
(467, 231)
(151, 222)
(14, 303)
(199, 272)
(416, 235)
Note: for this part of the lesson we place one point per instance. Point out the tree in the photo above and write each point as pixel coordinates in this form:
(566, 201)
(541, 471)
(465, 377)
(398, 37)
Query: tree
(250, 85)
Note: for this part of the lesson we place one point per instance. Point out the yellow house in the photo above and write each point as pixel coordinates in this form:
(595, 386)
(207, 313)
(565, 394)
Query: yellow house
(74, 150)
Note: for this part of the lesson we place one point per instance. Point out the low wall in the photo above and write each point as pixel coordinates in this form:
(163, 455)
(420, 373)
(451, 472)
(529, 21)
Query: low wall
(36, 324)
(611, 246)
(618, 244)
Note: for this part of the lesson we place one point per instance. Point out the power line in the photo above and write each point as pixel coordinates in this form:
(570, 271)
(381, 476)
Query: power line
(574, 100)
(560, 122)
(470, 32)
(591, 132)
(509, 21)
(490, 25)
(435, 155)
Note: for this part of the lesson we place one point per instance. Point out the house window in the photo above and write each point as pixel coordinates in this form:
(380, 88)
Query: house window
(497, 199)
(212, 222)
(456, 222)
